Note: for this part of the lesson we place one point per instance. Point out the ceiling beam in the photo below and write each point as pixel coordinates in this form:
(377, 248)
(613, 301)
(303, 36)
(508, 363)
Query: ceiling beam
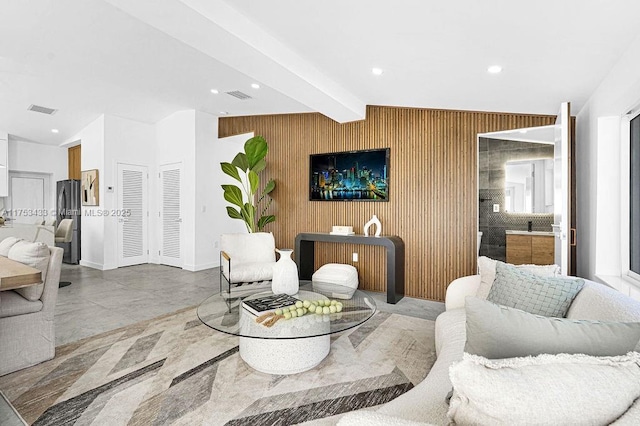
(221, 32)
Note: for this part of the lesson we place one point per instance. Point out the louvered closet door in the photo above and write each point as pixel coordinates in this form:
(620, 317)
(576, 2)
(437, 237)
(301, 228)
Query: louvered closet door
(132, 214)
(170, 215)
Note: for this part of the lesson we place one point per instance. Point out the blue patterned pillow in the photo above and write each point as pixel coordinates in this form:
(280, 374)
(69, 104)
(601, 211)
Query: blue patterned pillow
(520, 289)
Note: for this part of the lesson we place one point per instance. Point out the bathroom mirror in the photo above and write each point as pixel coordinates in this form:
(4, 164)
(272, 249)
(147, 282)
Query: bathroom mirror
(528, 186)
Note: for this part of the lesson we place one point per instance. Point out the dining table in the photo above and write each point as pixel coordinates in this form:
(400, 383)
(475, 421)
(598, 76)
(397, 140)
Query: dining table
(17, 275)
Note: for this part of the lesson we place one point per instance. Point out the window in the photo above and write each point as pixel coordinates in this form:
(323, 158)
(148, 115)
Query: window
(634, 196)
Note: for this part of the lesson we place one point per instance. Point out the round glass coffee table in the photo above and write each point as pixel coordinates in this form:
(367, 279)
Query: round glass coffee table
(289, 346)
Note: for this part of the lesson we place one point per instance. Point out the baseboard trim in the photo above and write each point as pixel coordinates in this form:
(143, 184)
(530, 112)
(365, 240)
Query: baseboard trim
(93, 265)
(190, 267)
(200, 267)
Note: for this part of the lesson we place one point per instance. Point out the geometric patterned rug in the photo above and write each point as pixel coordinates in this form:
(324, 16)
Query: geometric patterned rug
(173, 370)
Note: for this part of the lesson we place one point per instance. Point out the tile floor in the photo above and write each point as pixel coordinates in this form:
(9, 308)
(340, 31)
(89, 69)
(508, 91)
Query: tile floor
(99, 301)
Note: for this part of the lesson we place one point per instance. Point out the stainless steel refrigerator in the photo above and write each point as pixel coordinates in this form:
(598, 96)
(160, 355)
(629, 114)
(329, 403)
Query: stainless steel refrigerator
(68, 207)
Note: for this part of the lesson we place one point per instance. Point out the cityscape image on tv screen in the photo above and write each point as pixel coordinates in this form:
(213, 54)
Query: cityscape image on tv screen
(350, 176)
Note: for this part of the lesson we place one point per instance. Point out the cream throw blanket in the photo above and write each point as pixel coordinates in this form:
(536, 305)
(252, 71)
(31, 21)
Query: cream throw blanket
(544, 390)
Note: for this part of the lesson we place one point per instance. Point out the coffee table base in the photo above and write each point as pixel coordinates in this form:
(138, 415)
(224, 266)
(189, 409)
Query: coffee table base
(284, 356)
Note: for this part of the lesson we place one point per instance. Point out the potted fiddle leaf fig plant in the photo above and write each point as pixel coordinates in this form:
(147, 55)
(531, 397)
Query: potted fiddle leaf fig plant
(247, 197)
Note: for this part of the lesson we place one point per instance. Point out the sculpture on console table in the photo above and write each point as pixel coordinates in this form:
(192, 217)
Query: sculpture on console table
(373, 221)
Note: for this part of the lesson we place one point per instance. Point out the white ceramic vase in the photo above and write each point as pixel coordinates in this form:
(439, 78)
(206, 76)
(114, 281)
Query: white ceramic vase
(285, 274)
(373, 221)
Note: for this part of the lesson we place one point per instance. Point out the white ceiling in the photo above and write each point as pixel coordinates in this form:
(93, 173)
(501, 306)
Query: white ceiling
(146, 59)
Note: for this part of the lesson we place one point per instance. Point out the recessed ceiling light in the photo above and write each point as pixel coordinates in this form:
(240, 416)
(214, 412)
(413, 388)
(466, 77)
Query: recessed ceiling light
(255, 85)
(223, 113)
(376, 71)
(494, 69)
(55, 131)
(214, 91)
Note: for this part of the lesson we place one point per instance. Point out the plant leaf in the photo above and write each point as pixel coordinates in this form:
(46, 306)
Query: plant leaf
(256, 149)
(266, 207)
(240, 161)
(248, 212)
(271, 185)
(233, 194)
(260, 166)
(231, 170)
(265, 220)
(254, 181)
(233, 213)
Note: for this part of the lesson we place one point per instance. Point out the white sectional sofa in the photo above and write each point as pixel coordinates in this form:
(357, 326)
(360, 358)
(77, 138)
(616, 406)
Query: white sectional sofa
(426, 402)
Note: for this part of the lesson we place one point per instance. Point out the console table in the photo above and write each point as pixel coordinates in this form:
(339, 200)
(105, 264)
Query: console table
(305, 257)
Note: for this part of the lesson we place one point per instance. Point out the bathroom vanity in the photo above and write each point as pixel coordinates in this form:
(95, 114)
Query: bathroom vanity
(530, 247)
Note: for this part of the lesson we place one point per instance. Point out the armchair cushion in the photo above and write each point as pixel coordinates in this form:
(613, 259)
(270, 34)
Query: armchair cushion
(250, 272)
(35, 255)
(14, 304)
(6, 244)
(246, 248)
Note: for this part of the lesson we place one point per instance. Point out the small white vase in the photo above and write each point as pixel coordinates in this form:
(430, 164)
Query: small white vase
(373, 221)
(285, 274)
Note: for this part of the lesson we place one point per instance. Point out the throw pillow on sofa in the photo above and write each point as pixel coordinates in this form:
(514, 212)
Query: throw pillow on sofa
(548, 296)
(496, 332)
(35, 255)
(6, 244)
(487, 271)
(544, 390)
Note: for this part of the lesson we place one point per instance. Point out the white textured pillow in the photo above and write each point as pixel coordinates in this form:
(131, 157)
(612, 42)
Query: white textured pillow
(6, 244)
(543, 390)
(487, 270)
(35, 255)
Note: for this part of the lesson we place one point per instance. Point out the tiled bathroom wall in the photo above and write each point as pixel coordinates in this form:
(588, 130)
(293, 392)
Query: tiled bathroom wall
(492, 156)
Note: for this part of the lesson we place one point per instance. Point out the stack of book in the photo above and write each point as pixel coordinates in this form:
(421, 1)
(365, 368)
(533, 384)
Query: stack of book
(261, 305)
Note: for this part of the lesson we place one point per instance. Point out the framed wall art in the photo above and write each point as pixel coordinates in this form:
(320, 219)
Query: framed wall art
(89, 190)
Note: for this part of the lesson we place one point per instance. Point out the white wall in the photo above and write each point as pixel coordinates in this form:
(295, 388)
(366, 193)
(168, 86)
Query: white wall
(127, 142)
(39, 158)
(176, 143)
(206, 211)
(186, 137)
(190, 137)
(599, 161)
(220, 223)
(92, 236)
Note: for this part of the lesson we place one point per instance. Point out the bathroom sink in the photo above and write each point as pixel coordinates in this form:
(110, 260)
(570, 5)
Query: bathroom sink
(541, 233)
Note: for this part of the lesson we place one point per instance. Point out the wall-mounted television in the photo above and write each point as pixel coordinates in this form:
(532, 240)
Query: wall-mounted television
(350, 176)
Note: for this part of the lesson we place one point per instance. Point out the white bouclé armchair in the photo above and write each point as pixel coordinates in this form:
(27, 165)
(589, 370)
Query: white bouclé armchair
(246, 258)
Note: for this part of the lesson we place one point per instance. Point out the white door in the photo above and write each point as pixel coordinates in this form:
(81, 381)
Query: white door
(29, 197)
(562, 185)
(170, 214)
(133, 210)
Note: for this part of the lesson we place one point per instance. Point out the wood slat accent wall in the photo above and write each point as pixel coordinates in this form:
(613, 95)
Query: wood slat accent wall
(433, 186)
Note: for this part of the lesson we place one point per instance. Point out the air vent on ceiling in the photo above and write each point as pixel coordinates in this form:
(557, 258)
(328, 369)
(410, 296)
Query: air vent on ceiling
(238, 94)
(41, 109)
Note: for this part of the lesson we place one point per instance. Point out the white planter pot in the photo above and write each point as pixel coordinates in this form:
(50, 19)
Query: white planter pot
(285, 274)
